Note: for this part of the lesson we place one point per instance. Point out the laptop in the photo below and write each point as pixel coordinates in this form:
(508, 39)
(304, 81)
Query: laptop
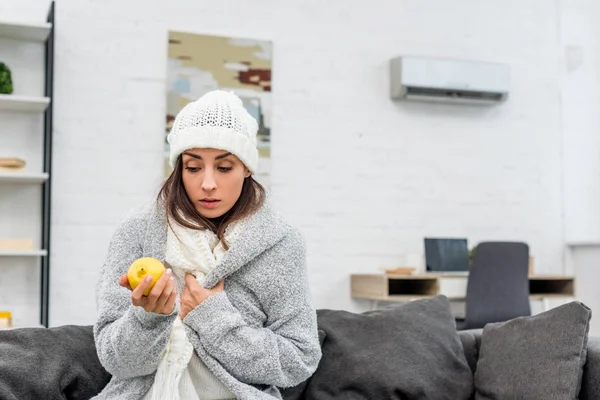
(447, 256)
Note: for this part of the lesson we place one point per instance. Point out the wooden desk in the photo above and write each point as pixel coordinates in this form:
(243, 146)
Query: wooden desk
(400, 288)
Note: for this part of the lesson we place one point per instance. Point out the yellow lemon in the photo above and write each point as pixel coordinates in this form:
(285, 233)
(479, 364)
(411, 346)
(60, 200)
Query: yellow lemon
(143, 267)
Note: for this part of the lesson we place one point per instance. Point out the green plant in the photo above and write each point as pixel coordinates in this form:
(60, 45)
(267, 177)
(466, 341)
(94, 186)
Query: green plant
(472, 254)
(6, 85)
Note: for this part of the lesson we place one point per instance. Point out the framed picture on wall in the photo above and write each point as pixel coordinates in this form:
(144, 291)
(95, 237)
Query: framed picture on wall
(200, 63)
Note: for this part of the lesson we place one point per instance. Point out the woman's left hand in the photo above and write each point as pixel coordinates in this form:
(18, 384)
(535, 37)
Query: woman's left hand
(193, 294)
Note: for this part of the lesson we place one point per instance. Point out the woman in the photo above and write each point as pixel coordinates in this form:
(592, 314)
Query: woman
(231, 317)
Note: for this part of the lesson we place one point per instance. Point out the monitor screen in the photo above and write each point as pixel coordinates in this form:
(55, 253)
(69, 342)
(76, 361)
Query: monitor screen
(446, 254)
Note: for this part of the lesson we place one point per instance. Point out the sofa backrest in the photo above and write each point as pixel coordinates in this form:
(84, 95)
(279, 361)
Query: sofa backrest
(590, 387)
(471, 341)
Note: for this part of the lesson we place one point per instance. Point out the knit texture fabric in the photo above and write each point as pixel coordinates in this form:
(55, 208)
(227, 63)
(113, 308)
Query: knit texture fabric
(181, 374)
(258, 335)
(217, 120)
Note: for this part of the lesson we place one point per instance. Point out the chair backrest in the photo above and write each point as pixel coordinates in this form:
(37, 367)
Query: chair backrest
(498, 285)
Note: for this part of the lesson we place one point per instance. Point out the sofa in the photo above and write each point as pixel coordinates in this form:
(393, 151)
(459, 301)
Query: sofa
(403, 352)
(590, 388)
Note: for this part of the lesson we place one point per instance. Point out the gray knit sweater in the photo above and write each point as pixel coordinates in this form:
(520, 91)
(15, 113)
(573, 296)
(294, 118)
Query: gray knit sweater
(258, 335)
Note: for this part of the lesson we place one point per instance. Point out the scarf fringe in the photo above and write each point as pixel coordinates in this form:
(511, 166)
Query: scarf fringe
(177, 355)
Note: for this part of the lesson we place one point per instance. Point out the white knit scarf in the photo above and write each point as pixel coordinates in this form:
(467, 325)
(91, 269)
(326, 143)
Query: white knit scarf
(188, 251)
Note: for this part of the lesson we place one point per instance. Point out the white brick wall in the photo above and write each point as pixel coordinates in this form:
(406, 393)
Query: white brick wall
(581, 101)
(363, 177)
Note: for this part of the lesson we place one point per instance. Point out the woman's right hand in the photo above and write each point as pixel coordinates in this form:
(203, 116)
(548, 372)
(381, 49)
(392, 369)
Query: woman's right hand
(160, 300)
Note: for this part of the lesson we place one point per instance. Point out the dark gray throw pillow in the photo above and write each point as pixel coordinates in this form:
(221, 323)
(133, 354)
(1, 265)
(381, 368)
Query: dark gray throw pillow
(535, 358)
(56, 363)
(409, 351)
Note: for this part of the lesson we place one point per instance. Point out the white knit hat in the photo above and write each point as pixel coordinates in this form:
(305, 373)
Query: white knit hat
(217, 120)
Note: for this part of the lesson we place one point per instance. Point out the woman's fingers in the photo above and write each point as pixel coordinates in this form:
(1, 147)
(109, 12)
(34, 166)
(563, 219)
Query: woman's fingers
(161, 298)
(191, 282)
(157, 291)
(123, 281)
(219, 287)
(137, 296)
(170, 304)
(162, 301)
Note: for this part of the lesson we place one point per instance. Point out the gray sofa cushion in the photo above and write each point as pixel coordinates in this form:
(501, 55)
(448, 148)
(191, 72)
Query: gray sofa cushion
(406, 352)
(534, 358)
(590, 385)
(56, 363)
(471, 340)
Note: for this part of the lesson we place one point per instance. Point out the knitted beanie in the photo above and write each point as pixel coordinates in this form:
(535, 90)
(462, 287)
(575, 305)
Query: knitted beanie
(217, 120)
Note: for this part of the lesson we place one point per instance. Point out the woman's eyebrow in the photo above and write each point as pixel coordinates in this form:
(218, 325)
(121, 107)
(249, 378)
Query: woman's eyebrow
(192, 155)
(222, 156)
(200, 158)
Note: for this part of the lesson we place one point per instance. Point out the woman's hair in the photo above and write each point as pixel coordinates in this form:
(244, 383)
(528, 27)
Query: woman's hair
(180, 209)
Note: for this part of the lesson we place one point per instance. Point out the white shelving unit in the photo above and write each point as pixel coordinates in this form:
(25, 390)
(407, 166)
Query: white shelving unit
(22, 326)
(23, 253)
(29, 102)
(25, 30)
(23, 177)
(23, 103)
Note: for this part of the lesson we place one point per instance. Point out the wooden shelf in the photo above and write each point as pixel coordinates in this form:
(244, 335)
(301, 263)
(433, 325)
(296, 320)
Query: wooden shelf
(23, 253)
(13, 102)
(589, 243)
(380, 287)
(23, 177)
(37, 32)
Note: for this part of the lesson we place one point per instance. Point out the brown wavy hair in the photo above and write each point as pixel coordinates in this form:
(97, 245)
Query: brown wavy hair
(179, 207)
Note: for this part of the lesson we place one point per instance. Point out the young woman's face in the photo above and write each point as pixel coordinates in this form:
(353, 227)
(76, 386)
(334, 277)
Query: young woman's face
(213, 180)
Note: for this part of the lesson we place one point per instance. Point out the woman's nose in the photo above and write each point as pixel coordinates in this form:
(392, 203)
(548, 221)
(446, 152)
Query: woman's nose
(209, 183)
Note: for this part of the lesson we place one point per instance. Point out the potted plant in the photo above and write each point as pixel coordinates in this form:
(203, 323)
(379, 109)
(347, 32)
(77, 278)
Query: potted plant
(472, 254)
(6, 85)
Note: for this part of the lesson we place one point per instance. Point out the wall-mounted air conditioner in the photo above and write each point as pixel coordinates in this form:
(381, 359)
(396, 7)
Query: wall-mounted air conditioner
(436, 79)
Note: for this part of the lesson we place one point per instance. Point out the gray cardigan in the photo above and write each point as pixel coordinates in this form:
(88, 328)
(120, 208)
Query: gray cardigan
(259, 335)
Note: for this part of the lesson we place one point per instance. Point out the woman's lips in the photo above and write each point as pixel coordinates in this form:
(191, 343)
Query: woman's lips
(210, 203)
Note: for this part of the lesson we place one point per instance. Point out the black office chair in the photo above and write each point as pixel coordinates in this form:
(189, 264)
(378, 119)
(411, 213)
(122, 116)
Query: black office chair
(498, 284)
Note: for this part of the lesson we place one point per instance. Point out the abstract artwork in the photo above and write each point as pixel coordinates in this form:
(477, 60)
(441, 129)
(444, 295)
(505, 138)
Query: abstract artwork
(198, 64)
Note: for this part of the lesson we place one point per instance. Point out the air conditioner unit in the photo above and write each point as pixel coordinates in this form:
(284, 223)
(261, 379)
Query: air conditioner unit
(458, 81)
